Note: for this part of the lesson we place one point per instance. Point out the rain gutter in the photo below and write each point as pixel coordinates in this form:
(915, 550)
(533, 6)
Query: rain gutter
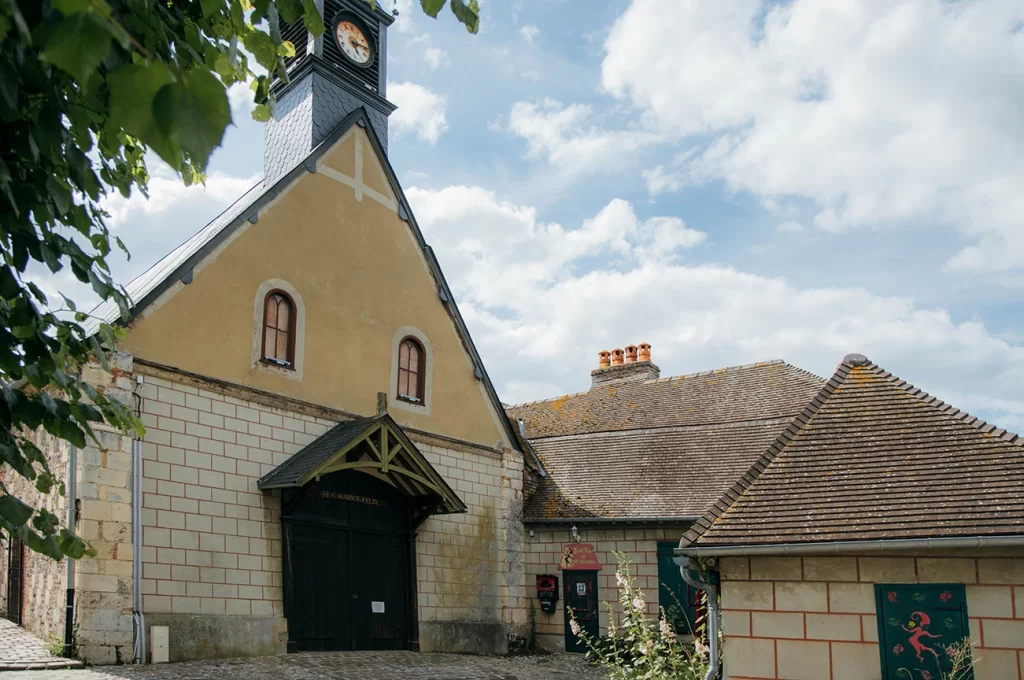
(612, 520)
(840, 547)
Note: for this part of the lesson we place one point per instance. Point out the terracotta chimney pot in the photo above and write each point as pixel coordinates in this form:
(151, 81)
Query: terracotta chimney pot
(616, 357)
(630, 354)
(604, 359)
(645, 351)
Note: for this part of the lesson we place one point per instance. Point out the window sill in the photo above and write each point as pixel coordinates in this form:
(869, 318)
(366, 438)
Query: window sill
(283, 366)
(411, 401)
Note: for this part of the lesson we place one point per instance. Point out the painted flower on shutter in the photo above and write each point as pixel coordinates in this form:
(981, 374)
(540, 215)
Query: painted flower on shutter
(946, 596)
(897, 649)
(892, 596)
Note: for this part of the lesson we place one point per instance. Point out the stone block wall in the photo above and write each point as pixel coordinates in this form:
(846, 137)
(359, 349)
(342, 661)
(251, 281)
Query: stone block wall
(103, 596)
(44, 580)
(212, 540)
(469, 573)
(544, 551)
(814, 617)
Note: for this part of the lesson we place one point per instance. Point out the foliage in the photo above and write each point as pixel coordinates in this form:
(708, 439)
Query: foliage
(55, 645)
(86, 88)
(640, 648)
(962, 659)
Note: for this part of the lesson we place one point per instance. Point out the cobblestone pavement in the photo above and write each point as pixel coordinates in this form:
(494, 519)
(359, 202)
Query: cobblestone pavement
(343, 666)
(20, 650)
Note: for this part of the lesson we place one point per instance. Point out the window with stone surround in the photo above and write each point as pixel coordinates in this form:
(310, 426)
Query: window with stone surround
(411, 364)
(279, 329)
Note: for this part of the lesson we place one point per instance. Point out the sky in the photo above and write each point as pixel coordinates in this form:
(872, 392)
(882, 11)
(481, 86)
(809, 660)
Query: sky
(730, 181)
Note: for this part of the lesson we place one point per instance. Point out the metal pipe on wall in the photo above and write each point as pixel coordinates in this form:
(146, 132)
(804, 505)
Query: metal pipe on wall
(138, 619)
(688, 566)
(69, 602)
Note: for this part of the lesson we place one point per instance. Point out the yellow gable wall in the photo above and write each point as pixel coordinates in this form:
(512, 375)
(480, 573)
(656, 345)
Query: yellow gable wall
(361, 277)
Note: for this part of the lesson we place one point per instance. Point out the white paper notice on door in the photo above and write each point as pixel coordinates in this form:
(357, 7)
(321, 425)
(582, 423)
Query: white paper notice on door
(377, 607)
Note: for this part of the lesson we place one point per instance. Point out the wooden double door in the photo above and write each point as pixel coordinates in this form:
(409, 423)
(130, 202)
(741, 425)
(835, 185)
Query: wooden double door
(349, 574)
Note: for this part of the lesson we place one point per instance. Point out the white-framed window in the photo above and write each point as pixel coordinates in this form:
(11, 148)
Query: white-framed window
(279, 329)
(411, 367)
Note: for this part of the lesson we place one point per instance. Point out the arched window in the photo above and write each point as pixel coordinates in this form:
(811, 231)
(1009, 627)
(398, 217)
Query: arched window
(279, 329)
(411, 370)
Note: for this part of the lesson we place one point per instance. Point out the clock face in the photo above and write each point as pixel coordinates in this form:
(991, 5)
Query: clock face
(353, 43)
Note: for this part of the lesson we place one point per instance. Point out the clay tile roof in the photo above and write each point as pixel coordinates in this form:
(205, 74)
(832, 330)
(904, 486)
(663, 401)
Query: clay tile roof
(664, 448)
(873, 457)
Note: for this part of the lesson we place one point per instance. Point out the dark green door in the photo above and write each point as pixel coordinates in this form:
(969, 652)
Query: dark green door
(349, 572)
(379, 591)
(581, 600)
(675, 596)
(319, 620)
(917, 624)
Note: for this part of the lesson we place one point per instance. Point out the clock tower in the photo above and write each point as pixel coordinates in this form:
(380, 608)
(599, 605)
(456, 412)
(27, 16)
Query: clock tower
(328, 78)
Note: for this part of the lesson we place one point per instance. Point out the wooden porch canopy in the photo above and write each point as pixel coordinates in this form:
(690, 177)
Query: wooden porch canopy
(374, 444)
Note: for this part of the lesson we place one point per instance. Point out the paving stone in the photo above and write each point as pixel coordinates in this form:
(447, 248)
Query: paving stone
(21, 650)
(342, 666)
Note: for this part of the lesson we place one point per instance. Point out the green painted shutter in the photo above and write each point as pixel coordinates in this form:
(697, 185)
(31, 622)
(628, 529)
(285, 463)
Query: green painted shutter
(916, 626)
(677, 598)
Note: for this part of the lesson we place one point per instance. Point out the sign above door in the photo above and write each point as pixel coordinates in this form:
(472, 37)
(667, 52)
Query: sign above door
(579, 557)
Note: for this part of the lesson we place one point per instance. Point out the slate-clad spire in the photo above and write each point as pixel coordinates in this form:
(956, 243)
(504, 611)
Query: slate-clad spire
(329, 77)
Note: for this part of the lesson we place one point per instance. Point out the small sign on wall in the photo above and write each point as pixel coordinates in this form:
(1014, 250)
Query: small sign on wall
(377, 607)
(580, 557)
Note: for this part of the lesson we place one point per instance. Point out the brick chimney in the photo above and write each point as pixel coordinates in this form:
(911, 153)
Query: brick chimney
(633, 365)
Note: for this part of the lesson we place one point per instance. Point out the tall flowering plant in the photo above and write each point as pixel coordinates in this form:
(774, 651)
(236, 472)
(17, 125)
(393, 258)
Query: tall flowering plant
(639, 647)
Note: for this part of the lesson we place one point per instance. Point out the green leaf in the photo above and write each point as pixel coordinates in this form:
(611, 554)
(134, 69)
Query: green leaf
(211, 7)
(68, 7)
(78, 44)
(286, 49)
(261, 113)
(133, 91)
(432, 7)
(261, 46)
(14, 510)
(194, 113)
(468, 13)
(289, 10)
(311, 17)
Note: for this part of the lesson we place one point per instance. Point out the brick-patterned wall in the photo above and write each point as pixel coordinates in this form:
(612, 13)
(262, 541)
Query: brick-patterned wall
(544, 551)
(460, 559)
(212, 540)
(814, 617)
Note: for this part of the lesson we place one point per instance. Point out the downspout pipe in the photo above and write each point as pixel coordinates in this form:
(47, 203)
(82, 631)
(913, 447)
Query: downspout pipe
(138, 620)
(690, 570)
(69, 601)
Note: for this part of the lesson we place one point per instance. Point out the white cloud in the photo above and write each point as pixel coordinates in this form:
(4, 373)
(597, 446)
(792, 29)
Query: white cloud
(542, 299)
(882, 112)
(167, 192)
(529, 33)
(659, 181)
(566, 137)
(404, 22)
(241, 99)
(436, 58)
(419, 110)
(790, 227)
